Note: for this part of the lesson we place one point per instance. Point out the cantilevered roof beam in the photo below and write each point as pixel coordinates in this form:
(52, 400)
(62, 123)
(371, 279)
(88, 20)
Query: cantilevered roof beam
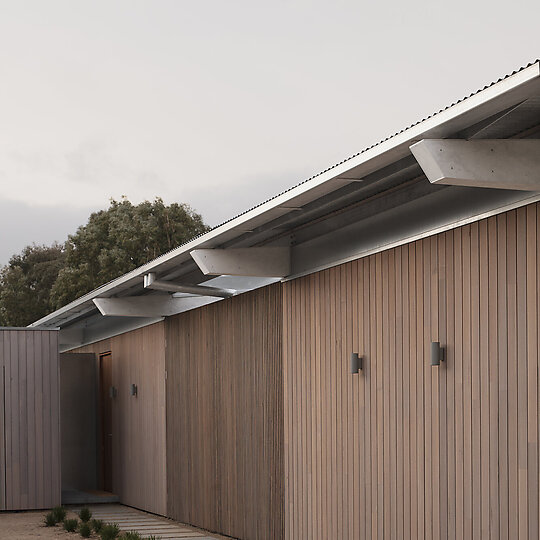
(254, 261)
(499, 163)
(163, 305)
(150, 282)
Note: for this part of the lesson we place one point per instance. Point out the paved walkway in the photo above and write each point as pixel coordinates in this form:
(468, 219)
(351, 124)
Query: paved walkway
(129, 519)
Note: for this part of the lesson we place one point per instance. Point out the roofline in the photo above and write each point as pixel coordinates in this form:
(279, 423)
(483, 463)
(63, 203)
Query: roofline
(369, 160)
(26, 328)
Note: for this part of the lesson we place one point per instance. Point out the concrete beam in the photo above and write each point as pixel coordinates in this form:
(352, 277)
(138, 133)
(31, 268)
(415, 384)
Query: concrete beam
(502, 164)
(256, 261)
(148, 306)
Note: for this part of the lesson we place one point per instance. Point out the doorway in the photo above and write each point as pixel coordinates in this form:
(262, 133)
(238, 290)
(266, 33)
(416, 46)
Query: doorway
(78, 416)
(106, 397)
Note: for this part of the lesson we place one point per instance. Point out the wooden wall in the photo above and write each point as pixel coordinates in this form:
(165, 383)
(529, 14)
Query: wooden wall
(225, 416)
(406, 450)
(29, 419)
(138, 357)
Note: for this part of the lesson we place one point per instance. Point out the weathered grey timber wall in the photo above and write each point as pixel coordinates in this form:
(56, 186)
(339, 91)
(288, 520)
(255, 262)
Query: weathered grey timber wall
(30, 419)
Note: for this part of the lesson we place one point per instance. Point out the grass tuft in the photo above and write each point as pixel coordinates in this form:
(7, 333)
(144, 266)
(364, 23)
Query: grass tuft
(109, 531)
(97, 525)
(70, 525)
(84, 529)
(132, 535)
(59, 513)
(85, 514)
(50, 520)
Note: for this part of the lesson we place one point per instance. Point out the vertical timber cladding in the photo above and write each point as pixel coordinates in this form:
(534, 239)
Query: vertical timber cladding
(30, 424)
(403, 449)
(138, 431)
(225, 416)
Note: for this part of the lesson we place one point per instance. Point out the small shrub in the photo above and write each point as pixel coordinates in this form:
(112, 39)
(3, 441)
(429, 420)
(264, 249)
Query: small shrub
(109, 531)
(84, 529)
(70, 525)
(132, 535)
(85, 514)
(60, 513)
(97, 525)
(50, 520)
(153, 537)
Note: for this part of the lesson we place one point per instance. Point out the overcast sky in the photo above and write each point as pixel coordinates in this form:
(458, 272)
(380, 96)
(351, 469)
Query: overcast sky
(220, 104)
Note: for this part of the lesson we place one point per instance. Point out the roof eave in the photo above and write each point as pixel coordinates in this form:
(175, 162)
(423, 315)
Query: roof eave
(486, 102)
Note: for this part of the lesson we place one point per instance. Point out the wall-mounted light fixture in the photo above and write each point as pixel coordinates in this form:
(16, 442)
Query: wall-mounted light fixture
(112, 392)
(133, 390)
(437, 353)
(356, 363)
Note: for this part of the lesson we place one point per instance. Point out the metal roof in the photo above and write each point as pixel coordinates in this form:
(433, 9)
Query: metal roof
(501, 108)
(344, 161)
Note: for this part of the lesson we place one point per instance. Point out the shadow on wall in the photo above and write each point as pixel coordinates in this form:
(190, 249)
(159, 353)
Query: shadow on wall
(78, 421)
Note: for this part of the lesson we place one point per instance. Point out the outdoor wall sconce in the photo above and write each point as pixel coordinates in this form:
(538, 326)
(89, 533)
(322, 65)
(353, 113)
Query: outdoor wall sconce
(133, 390)
(356, 363)
(112, 392)
(437, 353)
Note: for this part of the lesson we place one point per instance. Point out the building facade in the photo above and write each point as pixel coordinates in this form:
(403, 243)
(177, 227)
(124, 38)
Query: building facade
(227, 391)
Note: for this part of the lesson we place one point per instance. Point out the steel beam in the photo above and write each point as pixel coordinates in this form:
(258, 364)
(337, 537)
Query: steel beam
(150, 282)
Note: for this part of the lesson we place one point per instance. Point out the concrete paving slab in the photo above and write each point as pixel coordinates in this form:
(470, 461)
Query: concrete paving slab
(129, 519)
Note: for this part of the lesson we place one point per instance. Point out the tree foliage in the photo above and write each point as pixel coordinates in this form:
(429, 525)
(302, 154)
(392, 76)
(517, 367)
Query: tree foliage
(26, 282)
(113, 242)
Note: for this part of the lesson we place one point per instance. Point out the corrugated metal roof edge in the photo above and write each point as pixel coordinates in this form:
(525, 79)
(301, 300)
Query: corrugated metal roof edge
(136, 272)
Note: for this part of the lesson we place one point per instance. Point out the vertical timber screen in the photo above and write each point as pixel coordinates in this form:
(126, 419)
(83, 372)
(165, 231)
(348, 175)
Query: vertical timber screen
(30, 419)
(403, 449)
(225, 416)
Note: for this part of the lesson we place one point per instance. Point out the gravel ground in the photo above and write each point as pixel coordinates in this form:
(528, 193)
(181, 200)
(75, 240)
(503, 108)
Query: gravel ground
(29, 525)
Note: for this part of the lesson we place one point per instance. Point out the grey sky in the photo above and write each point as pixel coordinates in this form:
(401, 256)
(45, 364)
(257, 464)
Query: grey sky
(220, 104)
